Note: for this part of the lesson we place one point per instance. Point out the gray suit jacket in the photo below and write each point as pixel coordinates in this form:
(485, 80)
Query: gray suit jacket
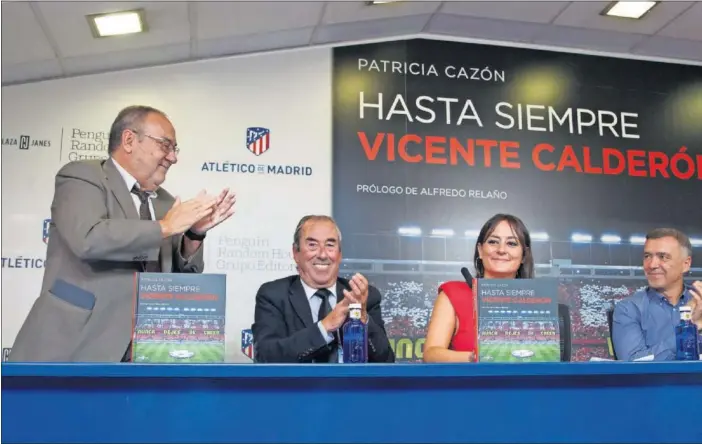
(97, 242)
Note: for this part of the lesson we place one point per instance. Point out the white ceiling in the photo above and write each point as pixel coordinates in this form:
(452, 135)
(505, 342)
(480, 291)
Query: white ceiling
(51, 39)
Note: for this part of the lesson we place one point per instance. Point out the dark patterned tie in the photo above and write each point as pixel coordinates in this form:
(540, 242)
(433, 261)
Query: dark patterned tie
(325, 306)
(145, 214)
(331, 352)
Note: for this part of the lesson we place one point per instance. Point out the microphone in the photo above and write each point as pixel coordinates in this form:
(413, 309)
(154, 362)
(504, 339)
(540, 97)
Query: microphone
(467, 276)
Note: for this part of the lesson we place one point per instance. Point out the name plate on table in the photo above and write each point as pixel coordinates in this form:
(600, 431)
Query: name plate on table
(517, 320)
(179, 317)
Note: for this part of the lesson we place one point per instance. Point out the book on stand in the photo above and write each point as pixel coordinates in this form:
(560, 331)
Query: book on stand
(179, 317)
(517, 320)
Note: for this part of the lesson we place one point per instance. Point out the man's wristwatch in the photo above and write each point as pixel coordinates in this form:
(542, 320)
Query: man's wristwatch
(194, 236)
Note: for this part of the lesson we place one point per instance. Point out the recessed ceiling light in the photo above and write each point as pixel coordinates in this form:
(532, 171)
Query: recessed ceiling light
(117, 23)
(632, 10)
(380, 2)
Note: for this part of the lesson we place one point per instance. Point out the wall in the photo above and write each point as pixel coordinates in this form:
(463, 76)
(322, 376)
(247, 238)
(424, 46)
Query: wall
(211, 104)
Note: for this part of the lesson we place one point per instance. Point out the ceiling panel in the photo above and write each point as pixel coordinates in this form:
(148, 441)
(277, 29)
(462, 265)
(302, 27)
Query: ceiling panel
(22, 37)
(587, 15)
(266, 41)
(668, 47)
(222, 19)
(126, 59)
(462, 26)
(371, 29)
(25, 72)
(354, 11)
(52, 39)
(687, 26)
(588, 39)
(167, 21)
(526, 11)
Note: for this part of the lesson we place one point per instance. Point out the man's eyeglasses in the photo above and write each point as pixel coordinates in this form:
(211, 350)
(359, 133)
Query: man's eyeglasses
(166, 144)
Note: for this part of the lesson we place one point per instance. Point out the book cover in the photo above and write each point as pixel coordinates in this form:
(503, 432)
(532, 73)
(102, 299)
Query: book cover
(518, 320)
(179, 317)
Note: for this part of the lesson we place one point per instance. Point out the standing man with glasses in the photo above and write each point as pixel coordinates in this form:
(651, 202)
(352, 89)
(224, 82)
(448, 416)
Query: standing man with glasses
(299, 318)
(110, 218)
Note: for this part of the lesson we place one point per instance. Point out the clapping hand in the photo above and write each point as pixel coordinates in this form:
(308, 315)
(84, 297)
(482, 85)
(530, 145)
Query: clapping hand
(337, 317)
(358, 293)
(696, 303)
(183, 215)
(223, 210)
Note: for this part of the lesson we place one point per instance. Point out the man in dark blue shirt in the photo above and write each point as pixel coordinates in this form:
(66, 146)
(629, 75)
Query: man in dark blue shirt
(644, 323)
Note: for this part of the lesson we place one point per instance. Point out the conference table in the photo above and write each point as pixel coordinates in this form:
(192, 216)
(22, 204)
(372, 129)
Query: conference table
(376, 403)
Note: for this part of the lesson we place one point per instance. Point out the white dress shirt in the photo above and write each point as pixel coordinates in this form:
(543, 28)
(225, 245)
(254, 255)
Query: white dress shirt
(131, 181)
(315, 303)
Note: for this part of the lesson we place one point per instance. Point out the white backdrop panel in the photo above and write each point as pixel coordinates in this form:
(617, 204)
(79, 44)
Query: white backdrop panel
(211, 105)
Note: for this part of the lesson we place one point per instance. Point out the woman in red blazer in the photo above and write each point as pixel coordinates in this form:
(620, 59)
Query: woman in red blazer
(502, 251)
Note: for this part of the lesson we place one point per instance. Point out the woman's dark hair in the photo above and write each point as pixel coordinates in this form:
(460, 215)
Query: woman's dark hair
(526, 269)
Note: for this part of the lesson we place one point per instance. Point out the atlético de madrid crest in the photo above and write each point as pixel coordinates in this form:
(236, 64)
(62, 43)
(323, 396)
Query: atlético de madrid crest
(258, 140)
(247, 343)
(45, 230)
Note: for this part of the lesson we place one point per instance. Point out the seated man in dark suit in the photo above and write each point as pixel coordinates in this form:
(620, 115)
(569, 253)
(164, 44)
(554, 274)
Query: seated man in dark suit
(299, 318)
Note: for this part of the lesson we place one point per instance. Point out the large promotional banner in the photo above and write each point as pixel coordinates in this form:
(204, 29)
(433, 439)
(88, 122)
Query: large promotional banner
(432, 138)
(238, 123)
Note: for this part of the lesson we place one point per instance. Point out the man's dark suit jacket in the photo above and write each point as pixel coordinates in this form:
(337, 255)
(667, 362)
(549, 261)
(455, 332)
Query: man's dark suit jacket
(284, 332)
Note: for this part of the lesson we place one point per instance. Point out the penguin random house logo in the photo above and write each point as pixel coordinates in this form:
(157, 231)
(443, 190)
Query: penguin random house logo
(82, 144)
(247, 343)
(45, 230)
(258, 141)
(25, 142)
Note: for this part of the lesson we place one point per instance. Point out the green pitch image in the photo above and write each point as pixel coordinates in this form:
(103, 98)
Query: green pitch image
(520, 352)
(181, 352)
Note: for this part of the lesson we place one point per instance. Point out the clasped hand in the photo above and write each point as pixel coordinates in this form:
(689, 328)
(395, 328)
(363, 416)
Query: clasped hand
(696, 303)
(358, 295)
(200, 214)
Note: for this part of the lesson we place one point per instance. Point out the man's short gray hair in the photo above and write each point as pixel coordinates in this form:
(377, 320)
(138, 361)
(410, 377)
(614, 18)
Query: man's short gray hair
(315, 218)
(678, 235)
(131, 117)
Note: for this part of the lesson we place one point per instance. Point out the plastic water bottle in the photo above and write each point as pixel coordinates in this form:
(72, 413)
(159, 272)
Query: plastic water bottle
(686, 337)
(355, 350)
